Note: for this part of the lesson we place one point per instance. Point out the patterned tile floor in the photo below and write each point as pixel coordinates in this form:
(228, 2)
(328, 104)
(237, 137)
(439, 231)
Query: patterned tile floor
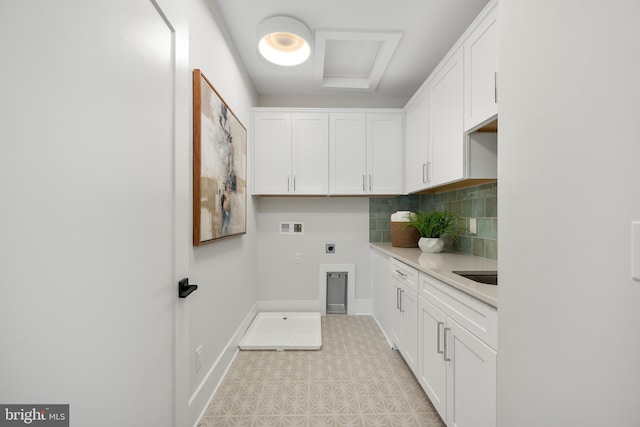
(355, 380)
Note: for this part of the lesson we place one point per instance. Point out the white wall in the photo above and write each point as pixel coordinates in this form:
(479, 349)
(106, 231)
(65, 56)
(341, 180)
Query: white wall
(224, 270)
(568, 171)
(341, 220)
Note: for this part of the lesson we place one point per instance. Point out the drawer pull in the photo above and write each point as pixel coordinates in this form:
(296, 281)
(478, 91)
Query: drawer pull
(400, 273)
(447, 358)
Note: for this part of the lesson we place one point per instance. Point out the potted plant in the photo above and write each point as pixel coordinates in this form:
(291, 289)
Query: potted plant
(431, 226)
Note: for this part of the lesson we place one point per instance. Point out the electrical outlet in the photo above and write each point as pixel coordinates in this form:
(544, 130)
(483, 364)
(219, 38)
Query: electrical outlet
(291, 227)
(298, 258)
(473, 226)
(198, 358)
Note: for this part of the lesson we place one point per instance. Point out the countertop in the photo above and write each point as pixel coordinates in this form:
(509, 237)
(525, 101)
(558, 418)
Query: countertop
(441, 266)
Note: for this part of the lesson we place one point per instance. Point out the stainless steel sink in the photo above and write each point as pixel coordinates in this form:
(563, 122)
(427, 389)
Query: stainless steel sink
(486, 277)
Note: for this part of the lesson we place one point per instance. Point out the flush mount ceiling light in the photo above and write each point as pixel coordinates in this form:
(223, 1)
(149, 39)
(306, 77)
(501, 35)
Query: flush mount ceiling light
(284, 40)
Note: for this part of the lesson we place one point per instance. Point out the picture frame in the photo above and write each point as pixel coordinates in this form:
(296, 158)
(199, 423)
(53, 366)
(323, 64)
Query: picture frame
(219, 166)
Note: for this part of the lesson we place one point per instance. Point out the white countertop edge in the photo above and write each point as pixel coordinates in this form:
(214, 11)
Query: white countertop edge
(440, 266)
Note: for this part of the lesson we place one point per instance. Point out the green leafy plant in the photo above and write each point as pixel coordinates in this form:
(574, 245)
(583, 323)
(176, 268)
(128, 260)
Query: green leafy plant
(434, 224)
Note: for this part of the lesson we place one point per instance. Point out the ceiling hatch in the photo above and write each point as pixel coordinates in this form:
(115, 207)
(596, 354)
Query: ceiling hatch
(352, 60)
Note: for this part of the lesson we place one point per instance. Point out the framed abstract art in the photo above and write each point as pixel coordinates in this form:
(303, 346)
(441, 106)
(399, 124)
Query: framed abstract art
(219, 166)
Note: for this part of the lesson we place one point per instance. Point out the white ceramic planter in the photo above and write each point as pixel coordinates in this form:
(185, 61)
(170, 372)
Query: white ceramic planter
(431, 245)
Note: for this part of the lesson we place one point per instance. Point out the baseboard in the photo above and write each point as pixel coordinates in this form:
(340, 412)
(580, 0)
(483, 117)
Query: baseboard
(200, 399)
(289, 305)
(389, 341)
(362, 306)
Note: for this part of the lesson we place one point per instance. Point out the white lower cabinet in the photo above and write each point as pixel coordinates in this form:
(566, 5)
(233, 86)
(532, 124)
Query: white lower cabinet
(410, 307)
(404, 312)
(471, 379)
(432, 368)
(456, 368)
(448, 339)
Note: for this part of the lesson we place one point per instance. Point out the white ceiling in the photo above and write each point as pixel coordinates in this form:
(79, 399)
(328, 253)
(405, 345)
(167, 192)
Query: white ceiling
(353, 35)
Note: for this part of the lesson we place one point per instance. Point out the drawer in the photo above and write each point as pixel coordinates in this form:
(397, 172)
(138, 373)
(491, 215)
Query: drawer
(408, 276)
(475, 316)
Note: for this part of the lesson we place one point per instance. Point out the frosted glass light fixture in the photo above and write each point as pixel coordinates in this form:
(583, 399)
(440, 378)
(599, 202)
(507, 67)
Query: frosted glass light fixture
(284, 40)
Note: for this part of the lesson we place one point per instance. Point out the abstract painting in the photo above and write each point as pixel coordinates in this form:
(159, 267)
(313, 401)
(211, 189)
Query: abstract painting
(219, 166)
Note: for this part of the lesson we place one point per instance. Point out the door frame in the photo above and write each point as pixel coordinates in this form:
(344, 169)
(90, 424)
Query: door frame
(173, 14)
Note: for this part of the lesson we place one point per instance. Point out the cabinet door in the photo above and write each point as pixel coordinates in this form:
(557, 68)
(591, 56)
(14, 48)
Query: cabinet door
(471, 400)
(446, 122)
(272, 147)
(348, 148)
(310, 153)
(480, 69)
(432, 368)
(384, 153)
(380, 277)
(410, 312)
(417, 144)
(397, 317)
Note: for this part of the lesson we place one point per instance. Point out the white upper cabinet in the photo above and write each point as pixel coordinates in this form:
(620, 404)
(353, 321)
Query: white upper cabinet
(272, 148)
(348, 153)
(328, 152)
(384, 153)
(417, 162)
(455, 100)
(446, 135)
(291, 153)
(366, 153)
(481, 71)
(310, 153)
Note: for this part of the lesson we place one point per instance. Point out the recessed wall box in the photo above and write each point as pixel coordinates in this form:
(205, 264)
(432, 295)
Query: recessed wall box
(291, 227)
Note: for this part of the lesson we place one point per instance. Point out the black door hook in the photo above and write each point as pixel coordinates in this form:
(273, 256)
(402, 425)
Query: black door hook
(184, 288)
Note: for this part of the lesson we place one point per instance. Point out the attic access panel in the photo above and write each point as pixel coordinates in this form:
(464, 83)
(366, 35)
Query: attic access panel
(352, 59)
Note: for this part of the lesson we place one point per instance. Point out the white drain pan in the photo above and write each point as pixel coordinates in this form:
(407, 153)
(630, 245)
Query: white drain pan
(283, 331)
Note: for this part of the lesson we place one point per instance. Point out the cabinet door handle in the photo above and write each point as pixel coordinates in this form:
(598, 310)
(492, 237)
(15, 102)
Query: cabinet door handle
(495, 87)
(398, 298)
(428, 171)
(364, 185)
(440, 325)
(294, 183)
(370, 182)
(400, 273)
(424, 173)
(447, 358)
(401, 300)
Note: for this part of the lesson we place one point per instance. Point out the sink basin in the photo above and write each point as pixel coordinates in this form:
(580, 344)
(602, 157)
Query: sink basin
(486, 277)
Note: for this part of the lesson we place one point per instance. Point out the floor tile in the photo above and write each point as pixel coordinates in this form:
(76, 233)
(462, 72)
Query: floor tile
(356, 379)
